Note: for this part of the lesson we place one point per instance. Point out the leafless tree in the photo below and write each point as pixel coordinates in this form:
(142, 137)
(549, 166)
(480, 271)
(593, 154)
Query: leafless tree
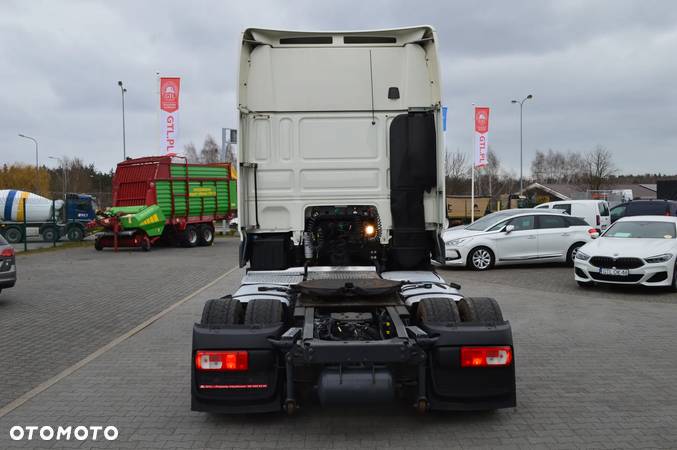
(599, 167)
(210, 150)
(456, 165)
(557, 167)
(191, 153)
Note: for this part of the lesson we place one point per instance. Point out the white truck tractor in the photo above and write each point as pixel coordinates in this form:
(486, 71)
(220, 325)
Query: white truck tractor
(341, 206)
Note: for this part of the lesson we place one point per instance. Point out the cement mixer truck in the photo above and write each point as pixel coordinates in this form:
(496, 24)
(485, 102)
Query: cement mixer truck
(20, 210)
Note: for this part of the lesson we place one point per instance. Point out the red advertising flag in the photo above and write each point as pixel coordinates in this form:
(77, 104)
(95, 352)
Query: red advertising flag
(169, 113)
(169, 94)
(481, 135)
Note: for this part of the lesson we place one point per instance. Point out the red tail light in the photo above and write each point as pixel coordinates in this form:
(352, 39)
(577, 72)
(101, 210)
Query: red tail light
(222, 361)
(598, 220)
(486, 356)
(7, 253)
(592, 231)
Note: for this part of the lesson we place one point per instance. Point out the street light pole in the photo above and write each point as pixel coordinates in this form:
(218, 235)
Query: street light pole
(36, 154)
(124, 143)
(63, 173)
(521, 103)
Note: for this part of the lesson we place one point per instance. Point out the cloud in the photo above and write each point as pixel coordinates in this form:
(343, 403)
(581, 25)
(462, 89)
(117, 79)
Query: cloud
(600, 72)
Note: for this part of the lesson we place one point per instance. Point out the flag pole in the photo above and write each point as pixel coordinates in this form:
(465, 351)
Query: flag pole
(472, 171)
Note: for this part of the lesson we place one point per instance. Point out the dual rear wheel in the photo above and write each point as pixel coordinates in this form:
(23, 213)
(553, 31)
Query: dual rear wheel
(469, 309)
(197, 235)
(226, 311)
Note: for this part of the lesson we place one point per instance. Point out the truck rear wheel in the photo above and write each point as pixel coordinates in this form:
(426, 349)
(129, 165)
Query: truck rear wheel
(14, 235)
(221, 311)
(49, 234)
(206, 235)
(263, 311)
(437, 310)
(480, 309)
(75, 233)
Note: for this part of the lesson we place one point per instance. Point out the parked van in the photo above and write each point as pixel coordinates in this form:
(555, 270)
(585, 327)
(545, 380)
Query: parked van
(595, 212)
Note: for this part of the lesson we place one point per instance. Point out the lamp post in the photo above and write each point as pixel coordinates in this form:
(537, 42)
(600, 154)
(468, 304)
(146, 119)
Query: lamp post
(63, 173)
(124, 143)
(521, 103)
(36, 153)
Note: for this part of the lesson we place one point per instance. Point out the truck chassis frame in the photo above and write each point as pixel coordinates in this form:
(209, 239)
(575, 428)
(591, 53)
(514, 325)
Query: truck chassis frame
(290, 365)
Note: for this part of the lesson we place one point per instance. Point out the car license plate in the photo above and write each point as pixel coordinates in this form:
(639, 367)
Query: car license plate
(617, 272)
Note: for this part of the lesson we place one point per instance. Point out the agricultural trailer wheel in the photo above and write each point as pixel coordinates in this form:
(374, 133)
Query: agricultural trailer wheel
(190, 236)
(205, 235)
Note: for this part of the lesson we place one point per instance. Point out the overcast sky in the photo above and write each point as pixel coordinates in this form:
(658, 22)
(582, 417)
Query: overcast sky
(601, 72)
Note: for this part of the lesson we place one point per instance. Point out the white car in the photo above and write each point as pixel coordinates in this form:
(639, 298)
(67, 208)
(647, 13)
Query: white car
(517, 236)
(595, 212)
(634, 250)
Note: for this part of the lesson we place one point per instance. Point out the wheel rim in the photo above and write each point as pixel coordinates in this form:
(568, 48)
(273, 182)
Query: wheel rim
(574, 252)
(13, 236)
(207, 235)
(481, 258)
(192, 236)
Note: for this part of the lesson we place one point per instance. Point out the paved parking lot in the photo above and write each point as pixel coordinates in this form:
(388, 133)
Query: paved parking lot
(595, 369)
(68, 303)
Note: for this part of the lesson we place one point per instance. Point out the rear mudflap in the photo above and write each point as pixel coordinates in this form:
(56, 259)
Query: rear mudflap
(257, 389)
(451, 387)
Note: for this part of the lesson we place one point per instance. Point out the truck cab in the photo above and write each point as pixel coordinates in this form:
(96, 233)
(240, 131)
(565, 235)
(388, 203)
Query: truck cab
(341, 147)
(80, 208)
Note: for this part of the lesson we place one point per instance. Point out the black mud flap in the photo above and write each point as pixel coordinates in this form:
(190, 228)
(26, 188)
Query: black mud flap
(256, 390)
(451, 387)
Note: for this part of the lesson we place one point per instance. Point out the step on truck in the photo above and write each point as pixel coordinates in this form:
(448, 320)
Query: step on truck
(165, 198)
(341, 205)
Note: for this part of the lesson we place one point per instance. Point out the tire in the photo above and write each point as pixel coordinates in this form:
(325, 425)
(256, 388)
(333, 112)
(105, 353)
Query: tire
(673, 286)
(145, 244)
(571, 253)
(263, 312)
(14, 235)
(98, 246)
(480, 309)
(75, 233)
(49, 234)
(481, 258)
(205, 235)
(585, 284)
(221, 311)
(190, 236)
(437, 310)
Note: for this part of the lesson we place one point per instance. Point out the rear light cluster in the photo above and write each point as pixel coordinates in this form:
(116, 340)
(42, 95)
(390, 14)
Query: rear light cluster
(486, 356)
(7, 252)
(222, 361)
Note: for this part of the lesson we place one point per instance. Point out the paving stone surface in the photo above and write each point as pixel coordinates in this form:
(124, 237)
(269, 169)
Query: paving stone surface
(595, 369)
(67, 303)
